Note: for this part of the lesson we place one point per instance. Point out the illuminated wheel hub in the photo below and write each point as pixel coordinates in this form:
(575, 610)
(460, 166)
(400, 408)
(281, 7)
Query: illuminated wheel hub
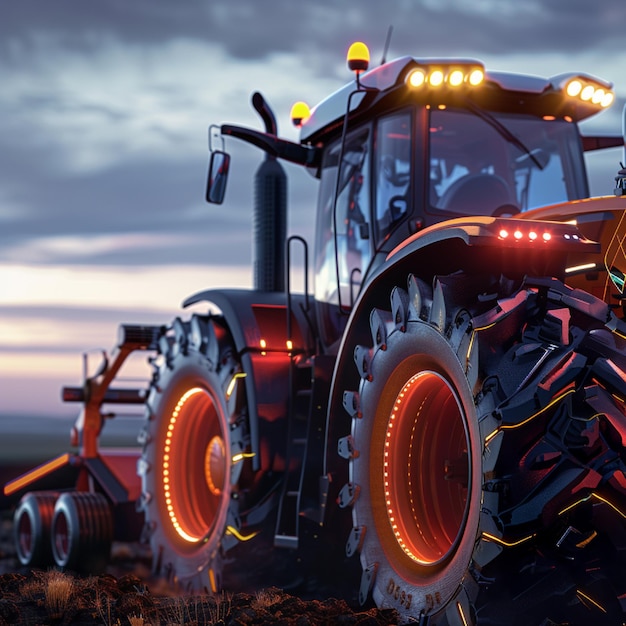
(194, 441)
(215, 466)
(426, 469)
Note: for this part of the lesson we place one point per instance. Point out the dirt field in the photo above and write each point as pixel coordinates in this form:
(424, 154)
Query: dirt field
(127, 593)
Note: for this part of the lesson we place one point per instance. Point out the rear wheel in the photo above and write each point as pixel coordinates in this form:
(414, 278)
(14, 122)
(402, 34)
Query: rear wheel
(31, 528)
(82, 532)
(192, 453)
(487, 429)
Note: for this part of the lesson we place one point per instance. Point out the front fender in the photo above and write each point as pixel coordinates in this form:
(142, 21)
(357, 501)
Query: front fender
(475, 245)
(266, 339)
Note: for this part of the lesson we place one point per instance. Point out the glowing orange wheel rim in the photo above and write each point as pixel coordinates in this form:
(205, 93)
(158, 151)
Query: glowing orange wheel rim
(195, 467)
(426, 469)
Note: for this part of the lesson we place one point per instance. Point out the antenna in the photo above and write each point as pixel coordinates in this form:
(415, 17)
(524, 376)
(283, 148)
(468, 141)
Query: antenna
(387, 42)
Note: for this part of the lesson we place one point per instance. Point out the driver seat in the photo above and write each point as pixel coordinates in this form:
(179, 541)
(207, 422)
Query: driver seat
(478, 194)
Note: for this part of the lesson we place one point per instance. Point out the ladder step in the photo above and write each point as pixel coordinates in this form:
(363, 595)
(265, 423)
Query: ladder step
(286, 541)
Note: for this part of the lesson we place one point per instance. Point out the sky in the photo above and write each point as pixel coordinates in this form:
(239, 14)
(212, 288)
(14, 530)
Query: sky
(104, 112)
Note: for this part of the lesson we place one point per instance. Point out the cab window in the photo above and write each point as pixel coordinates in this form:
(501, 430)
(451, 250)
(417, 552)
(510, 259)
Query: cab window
(343, 244)
(392, 172)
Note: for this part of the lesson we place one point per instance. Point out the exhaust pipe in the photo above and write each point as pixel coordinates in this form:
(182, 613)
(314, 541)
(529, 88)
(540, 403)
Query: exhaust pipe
(270, 213)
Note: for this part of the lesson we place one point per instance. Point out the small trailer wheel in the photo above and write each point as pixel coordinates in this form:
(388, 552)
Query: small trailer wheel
(82, 532)
(31, 528)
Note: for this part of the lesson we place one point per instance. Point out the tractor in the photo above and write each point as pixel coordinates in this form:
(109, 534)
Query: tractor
(439, 424)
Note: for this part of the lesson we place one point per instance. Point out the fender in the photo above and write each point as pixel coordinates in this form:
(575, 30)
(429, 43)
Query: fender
(266, 341)
(475, 245)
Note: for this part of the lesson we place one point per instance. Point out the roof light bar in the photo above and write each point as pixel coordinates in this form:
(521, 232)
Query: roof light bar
(445, 76)
(589, 91)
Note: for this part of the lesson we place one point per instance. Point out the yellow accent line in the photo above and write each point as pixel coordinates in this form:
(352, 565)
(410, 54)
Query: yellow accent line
(491, 435)
(212, 580)
(459, 608)
(620, 335)
(231, 530)
(35, 474)
(598, 497)
(485, 327)
(506, 544)
(233, 381)
(586, 597)
(532, 417)
(241, 456)
(469, 349)
(586, 542)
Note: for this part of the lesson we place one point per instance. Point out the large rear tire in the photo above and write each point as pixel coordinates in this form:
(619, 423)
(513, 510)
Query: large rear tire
(488, 427)
(192, 452)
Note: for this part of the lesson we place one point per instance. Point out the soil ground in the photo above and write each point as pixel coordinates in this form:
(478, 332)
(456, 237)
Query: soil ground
(127, 593)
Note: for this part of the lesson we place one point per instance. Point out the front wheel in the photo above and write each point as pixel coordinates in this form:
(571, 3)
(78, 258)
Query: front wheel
(481, 429)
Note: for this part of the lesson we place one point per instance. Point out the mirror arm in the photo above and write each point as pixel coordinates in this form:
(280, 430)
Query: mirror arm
(281, 148)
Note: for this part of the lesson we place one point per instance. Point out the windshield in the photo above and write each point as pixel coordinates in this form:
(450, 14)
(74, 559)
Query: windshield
(497, 164)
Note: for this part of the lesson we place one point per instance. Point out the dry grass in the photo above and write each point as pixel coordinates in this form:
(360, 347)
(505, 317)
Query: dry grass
(103, 606)
(58, 594)
(265, 598)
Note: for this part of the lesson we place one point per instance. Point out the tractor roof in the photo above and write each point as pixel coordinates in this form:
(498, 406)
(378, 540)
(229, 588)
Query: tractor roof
(458, 82)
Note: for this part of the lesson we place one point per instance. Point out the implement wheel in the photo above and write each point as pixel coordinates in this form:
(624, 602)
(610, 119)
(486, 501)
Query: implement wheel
(82, 532)
(31, 528)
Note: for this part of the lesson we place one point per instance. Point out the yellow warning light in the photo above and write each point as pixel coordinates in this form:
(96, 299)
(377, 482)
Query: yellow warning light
(358, 57)
(300, 112)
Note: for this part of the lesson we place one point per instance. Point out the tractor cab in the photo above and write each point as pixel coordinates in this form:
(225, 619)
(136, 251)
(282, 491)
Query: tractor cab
(415, 142)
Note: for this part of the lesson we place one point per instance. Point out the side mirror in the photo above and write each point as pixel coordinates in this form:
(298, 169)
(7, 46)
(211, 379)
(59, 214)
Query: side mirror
(218, 175)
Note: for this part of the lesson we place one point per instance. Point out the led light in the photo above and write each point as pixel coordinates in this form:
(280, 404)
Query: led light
(598, 95)
(532, 235)
(456, 78)
(587, 93)
(607, 99)
(547, 236)
(436, 78)
(518, 234)
(476, 77)
(574, 88)
(416, 78)
(580, 268)
(504, 234)
(300, 112)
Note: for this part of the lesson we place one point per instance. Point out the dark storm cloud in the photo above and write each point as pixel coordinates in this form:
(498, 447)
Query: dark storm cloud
(253, 29)
(83, 154)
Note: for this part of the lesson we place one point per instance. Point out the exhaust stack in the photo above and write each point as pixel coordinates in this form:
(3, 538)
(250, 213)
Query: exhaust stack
(270, 213)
